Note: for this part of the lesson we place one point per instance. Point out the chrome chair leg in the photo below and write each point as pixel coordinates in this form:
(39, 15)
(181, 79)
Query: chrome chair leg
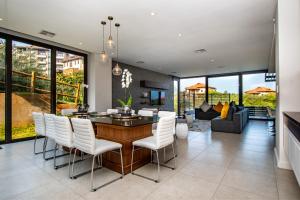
(45, 146)
(72, 175)
(54, 159)
(69, 168)
(122, 162)
(158, 167)
(34, 146)
(132, 159)
(174, 156)
(92, 176)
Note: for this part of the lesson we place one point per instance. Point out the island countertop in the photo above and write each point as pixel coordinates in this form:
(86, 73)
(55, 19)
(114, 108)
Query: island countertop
(123, 122)
(292, 120)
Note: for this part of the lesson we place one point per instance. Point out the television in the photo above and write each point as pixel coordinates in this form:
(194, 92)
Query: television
(162, 97)
(154, 97)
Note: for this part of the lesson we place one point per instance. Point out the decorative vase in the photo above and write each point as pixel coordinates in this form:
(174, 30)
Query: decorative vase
(127, 110)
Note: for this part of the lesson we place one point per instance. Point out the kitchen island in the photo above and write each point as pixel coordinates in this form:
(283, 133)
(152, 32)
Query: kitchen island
(124, 131)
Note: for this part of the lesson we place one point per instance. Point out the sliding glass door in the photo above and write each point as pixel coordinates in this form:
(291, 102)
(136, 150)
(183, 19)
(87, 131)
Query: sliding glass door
(192, 93)
(223, 89)
(69, 80)
(31, 89)
(2, 90)
(36, 77)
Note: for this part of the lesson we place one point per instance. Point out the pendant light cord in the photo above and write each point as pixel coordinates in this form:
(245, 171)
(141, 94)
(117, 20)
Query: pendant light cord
(117, 44)
(103, 39)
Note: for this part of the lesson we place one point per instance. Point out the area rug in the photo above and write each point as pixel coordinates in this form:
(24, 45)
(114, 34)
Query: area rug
(200, 125)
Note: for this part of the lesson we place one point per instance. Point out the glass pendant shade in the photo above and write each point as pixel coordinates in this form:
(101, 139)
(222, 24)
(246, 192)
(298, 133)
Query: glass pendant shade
(110, 43)
(103, 56)
(117, 70)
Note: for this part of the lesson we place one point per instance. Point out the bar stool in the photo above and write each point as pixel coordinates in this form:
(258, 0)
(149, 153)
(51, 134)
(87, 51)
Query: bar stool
(163, 137)
(86, 142)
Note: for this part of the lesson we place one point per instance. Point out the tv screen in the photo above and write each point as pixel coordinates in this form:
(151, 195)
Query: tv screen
(154, 97)
(162, 98)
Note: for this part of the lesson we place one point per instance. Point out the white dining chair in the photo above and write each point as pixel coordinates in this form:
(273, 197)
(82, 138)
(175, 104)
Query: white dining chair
(64, 137)
(163, 137)
(145, 113)
(50, 132)
(112, 111)
(85, 141)
(68, 111)
(39, 125)
(165, 114)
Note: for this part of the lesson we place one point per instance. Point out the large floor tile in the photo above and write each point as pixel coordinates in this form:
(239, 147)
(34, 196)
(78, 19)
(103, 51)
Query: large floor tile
(254, 183)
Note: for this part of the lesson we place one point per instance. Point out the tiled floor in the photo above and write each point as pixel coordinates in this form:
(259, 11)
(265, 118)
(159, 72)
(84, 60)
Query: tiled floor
(209, 166)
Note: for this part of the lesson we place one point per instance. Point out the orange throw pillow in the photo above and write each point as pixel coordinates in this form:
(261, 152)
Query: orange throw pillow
(218, 107)
(224, 111)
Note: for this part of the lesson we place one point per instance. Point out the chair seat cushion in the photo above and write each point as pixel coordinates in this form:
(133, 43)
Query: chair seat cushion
(148, 142)
(102, 146)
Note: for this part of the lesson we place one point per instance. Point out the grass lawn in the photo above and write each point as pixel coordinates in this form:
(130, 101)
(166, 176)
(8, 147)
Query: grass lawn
(19, 132)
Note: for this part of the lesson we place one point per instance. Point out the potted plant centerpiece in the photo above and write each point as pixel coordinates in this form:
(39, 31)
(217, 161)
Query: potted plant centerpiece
(126, 103)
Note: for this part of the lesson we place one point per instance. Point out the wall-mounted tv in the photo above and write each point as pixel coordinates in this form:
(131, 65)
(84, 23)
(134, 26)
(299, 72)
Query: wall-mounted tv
(157, 97)
(154, 97)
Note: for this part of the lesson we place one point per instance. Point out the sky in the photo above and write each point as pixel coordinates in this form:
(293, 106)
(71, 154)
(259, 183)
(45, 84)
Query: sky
(230, 83)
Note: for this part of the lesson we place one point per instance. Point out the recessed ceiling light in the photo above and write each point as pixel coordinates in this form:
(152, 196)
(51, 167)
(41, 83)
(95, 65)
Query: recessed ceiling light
(80, 43)
(200, 51)
(152, 13)
(179, 34)
(1, 19)
(140, 62)
(212, 60)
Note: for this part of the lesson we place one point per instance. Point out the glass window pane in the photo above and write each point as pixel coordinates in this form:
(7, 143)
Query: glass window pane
(2, 89)
(69, 80)
(223, 89)
(30, 86)
(258, 94)
(176, 96)
(192, 93)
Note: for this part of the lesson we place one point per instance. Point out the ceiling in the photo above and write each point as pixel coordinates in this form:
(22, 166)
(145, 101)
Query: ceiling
(237, 34)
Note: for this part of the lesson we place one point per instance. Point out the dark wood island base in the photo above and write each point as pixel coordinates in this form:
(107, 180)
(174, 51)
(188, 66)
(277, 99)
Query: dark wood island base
(124, 135)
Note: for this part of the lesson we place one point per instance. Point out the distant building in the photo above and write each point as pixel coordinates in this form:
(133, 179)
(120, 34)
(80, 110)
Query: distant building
(261, 91)
(199, 88)
(72, 64)
(65, 63)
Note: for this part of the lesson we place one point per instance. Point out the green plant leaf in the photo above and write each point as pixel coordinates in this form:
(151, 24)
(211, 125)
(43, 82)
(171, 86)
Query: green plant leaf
(129, 101)
(121, 102)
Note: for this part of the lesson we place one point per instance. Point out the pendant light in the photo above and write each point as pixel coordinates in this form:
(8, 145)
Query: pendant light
(103, 53)
(117, 70)
(110, 42)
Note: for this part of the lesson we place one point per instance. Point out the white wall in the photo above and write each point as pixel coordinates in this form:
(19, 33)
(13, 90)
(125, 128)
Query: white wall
(287, 68)
(100, 83)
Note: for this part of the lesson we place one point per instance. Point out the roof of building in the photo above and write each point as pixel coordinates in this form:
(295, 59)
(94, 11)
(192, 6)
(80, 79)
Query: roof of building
(198, 86)
(259, 90)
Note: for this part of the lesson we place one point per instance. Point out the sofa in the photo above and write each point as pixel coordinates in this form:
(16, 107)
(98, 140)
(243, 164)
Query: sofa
(209, 115)
(236, 125)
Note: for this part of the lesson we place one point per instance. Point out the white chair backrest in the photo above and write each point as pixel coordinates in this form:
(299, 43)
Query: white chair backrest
(146, 113)
(63, 131)
(84, 135)
(39, 123)
(112, 111)
(164, 134)
(166, 114)
(50, 125)
(68, 111)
